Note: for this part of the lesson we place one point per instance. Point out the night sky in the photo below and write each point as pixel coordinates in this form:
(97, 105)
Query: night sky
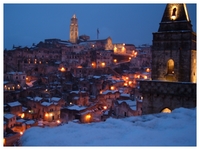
(25, 24)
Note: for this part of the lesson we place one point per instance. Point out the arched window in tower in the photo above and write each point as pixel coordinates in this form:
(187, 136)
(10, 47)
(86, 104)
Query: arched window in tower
(173, 14)
(170, 66)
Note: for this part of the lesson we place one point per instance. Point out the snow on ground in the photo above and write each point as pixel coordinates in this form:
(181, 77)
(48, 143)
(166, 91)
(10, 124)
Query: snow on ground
(175, 129)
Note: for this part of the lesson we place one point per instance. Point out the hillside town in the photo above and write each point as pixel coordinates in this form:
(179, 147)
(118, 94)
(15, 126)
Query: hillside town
(83, 80)
(80, 80)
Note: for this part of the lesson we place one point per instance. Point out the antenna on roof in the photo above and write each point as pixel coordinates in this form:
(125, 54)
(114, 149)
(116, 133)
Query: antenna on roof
(97, 33)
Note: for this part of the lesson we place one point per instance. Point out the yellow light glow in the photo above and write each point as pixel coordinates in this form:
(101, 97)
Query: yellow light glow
(186, 12)
(26, 78)
(79, 67)
(166, 110)
(125, 84)
(104, 107)
(101, 92)
(129, 58)
(22, 116)
(173, 17)
(129, 82)
(46, 90)
(115, 60)
(138, 76)
(103, 64)
(174, 11)
(126, 78)
(145, 77)
(4, 141)
(88, 117)
(63, 69)
(46, 115)
(58, 121)
(51, 114)
(21, 133)
(115, 49)
(147, 70)
(112, 87)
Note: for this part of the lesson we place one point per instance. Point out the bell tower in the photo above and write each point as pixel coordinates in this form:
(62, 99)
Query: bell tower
(73, 37)
(174, 47)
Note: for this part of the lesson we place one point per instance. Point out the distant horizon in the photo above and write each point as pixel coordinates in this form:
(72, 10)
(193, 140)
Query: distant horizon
(25, 24)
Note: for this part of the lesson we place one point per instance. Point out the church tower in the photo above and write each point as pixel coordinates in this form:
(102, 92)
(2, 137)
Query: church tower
(73, 37)
(174, 47)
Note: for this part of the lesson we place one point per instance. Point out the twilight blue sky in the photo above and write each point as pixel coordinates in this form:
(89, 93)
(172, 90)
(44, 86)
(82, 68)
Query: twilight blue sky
(130, 23)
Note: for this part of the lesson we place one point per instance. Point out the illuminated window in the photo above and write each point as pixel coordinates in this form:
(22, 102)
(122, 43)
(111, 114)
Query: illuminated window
(170, 66)
(173, 14)
(166, 110)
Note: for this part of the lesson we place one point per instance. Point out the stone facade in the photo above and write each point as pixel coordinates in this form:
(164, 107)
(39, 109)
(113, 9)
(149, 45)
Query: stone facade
(158, 95)
(173, 75)
(174, 47)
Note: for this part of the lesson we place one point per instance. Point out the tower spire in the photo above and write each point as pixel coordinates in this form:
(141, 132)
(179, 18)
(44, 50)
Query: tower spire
(73, 37)
(175, 14)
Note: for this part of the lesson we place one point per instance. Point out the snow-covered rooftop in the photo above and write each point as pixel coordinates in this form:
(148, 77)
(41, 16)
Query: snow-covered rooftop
(9, 116)
(13, 104)
(75, 98)
(37, 98)
(46, 103)
(131, 103)
(77, 92)
(76, 107)
(109, 91)
(96, 77)
(30, 122)
(20, 120)
(55, 99)
(125, 95)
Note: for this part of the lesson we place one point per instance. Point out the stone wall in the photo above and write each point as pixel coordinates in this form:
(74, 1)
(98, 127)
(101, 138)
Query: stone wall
(158, 95)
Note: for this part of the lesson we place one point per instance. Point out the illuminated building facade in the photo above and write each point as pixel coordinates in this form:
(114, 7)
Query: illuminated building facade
(174, 46)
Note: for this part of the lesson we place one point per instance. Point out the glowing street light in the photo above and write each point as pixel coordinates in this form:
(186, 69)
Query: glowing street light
(103, 64)
(112, 87)
(147, 70)
(62, 69)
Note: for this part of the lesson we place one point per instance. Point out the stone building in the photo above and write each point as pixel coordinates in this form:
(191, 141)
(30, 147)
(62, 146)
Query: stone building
(173, 83)
(174, 46)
